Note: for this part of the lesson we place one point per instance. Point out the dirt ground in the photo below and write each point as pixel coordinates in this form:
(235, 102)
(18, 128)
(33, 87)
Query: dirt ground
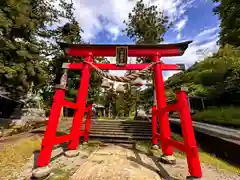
(114, 162)
(121, 162)
(14, 138)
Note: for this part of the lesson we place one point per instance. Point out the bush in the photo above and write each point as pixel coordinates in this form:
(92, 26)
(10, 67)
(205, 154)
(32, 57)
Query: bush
(226, 116)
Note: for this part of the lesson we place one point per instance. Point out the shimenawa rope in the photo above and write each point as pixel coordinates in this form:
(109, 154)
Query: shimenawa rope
(127, 78)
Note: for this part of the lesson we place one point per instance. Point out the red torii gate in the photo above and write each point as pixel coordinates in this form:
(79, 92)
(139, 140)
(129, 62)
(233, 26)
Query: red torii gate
(160, 111)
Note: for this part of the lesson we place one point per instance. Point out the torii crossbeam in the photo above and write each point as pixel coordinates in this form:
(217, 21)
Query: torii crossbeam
(160, 111)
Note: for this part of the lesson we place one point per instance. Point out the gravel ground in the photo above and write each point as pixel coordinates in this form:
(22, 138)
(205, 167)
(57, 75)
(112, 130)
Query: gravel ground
(60, 163)
(120, 163)
(12, 139)
(117, 162)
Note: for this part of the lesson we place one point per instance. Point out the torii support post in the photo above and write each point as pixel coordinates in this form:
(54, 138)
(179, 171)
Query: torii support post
(81, 101)
(163, 118)
(190, 145)
(50, 138)
(161, 109)
(154, 127)
(88, 124)
(50, 133)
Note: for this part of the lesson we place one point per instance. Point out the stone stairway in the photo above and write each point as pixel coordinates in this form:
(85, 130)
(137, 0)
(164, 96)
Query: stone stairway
(120, 131)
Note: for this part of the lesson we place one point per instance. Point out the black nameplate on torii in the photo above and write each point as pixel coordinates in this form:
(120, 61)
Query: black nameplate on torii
(121, 55)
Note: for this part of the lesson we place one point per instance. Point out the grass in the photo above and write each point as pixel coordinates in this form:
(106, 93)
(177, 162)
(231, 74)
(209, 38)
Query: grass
(223, 116)
(60, 174)
(102, 118)
(226, 116)
(15, 155)
(205, 158)
(107, 118)
(131, 118)
(218, 163)
(91, 146)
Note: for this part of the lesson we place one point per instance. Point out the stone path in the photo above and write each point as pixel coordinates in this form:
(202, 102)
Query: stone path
(59, 162)
(122, 163)
(117, 162)
(12, 139)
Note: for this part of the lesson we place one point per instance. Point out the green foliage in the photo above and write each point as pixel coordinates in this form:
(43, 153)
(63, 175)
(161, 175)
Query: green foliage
(109, 98)
(130, 100)
(20, 60)
(24, 50)
(229, 116)
(216, 77)
(120, 105)
(229, 14)
(171, 96)
(68, 33)
(146, 24)
(147, 97)
(95, 82)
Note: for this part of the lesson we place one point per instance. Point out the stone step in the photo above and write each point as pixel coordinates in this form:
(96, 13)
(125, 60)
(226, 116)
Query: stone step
(119, 130)
(125, 136)
(132, 125)
(121, 133)
(116, 131)
(118, 125)
(114, 140)
(122, 122)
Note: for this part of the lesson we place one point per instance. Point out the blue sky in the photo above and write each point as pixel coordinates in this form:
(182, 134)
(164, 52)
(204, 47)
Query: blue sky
(197, 18)
(102, 22)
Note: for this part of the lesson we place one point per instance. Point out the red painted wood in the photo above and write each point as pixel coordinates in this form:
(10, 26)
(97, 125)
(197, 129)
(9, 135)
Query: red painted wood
(131, 52)
(127, 67)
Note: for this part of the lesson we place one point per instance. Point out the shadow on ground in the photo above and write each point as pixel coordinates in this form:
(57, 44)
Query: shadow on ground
(160, 171)
(62, 145)
(37, 153)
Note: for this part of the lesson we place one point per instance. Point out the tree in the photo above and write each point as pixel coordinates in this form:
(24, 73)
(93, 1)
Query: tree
(216, 78)
(228, 11)
(24, 48)
(146, 25)
(95, 82)
(129, 99)
(20, 61)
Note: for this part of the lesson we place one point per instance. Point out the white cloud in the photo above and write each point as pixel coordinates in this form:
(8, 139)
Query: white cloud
(114, 31)
(210, 31)
(203, 45)
(97, 15)
(179, 36)
(168, 74)
(180, 26)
